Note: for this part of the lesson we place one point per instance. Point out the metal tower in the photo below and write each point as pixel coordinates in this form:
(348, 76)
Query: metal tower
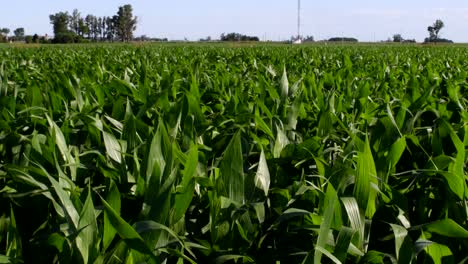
(298, 19)
(299, 38)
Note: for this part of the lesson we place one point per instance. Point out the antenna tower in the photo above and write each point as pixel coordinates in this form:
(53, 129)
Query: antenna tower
(299, 19)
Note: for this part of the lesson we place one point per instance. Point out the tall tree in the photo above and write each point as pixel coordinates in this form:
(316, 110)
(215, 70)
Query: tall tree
(19, 34)
(83, 28)
(435, 29)
(4, 34)
(126, 23)
(95, 28)
(5, 31)
(89, 23)
(103, 27)
(75, 21)
(397, 38)
(60, 22)
(99, 28)
(110, 28)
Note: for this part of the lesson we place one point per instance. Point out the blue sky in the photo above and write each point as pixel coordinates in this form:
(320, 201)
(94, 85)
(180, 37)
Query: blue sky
(274, 19)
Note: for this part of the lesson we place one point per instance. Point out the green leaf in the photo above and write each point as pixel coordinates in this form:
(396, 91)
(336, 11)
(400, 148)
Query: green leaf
(290, 213)
(13, 241)
(187, 187)
(325, 227)
(373, 257)
(455, 183)
(284, 85)
(328, 254)
(156, 162)
(58, 241)
(400, 235)
(262, 177)
(448, 228)
(396, 151)
(293, 111)
(232, 170)
(281, 142)
(126, 231)
(421, 244)
(438, 252)
(356, 219)
(59, 140)
(343, 242)
(113, 198)
(4, 259)
(259, 211)
(149, 226)
(263, 126)
(87, 239)
(456, 168)
(66, 202)
(21, 176)
(226, 258)
(366, 175)
(112, 147)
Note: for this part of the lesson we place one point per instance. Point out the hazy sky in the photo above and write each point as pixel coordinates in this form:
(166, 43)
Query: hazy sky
(274, 19)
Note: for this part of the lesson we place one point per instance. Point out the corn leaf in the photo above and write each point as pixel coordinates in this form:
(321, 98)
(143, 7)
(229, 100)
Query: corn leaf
(332, 199)
(262, 178)
(112, 147)
(113, 199)
(232, 170)
(366, 175)
(87, 239)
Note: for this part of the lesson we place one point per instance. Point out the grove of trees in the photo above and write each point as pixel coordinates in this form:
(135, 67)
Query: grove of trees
(343, 39)
(398, 38)
(74, 28)
(4, 34)
(434, 32)
(238, 37)
(19, 34)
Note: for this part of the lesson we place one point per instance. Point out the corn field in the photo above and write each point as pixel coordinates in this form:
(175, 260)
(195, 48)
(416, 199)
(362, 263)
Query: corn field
(216, 154)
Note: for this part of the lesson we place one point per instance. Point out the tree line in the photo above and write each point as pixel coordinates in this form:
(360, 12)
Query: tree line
(434, 34)
(237, 37)
(74, 28)
(18, 34)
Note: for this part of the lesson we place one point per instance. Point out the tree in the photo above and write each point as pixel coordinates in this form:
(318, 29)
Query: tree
(5, 31)
(308, 39)
(60, 22)
(83, 28)
(99, 28)
(397, 38)
(126, 23)
(89, 23)
(435, 29)
(95, 28)
(103, 27)
(237, 37)
(19, 34)
(75, 21)
(343, 39)
(62, 34)
(28, 39)
(4, 34)
(35, 38)
(111, 28)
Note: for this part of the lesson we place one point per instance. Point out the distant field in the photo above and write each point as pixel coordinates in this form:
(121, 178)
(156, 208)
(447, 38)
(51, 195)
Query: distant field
(233, 153)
